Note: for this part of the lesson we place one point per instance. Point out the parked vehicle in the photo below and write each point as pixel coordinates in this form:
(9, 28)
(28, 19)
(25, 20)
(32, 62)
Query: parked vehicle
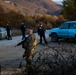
(3, 33)
(66, 30)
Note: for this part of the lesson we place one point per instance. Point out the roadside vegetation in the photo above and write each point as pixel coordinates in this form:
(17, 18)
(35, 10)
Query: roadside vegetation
(69, 9)
(53, 60)
(16, 18)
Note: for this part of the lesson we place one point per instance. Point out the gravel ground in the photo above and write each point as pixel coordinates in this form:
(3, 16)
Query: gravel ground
(10, 56)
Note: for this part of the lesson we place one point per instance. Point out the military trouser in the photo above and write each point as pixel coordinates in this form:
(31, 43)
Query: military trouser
(28, 57)
(43, 36)
(28, 54)
(9, 36)
(23, 35)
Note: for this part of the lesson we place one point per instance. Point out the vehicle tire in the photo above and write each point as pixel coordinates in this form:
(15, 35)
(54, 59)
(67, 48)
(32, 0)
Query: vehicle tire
(54, 37)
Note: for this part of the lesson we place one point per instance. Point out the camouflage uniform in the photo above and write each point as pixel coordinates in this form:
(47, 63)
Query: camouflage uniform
(29, 47)
(29, 44)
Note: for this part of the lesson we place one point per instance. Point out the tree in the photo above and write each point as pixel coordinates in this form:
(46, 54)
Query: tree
(47, 18)
(69, 9)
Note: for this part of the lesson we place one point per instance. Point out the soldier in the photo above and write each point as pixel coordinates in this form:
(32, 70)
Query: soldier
(41, 33)
(23, 28)
(29, 44)
(8, 28)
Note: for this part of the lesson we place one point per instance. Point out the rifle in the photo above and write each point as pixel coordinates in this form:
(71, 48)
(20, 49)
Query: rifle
(22, 42)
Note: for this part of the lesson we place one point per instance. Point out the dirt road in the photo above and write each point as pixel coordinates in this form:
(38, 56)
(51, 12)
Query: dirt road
(10, 56)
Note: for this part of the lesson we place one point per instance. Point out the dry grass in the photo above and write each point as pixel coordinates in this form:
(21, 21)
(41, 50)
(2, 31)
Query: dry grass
(54, 60)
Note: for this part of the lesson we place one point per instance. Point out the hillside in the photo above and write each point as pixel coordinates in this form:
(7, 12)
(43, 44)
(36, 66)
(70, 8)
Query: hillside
(31, 6)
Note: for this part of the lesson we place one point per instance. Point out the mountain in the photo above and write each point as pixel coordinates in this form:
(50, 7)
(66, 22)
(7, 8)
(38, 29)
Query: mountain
(32, 6)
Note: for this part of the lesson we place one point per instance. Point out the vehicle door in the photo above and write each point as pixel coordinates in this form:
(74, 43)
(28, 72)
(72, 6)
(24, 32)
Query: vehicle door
(72, 30)
(63, 30)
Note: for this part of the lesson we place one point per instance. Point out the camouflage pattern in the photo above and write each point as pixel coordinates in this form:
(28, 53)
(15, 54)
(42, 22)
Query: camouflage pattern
(29, 47)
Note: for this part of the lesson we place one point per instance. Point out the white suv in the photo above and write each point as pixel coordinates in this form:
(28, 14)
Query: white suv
(3, 33)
